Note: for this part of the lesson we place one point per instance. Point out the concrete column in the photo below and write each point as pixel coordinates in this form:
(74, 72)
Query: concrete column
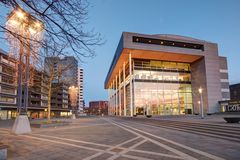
(116, 96)
(119, 91)
(124, 90)
(130, 74)
(133, 88)
(111, 103)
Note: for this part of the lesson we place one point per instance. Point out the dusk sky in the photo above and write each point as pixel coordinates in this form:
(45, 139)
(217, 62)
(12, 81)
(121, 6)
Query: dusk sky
(211, 20)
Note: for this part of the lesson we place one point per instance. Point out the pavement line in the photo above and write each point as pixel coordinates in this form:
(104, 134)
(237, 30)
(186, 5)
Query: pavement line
(185, 156)
(73, 140)
(64, 143)
(133, 157)
(68, 127)
(177, 144)
(126, 150)
(134, 150)
(157, 154)
(125, 142)
(94, 156)
(117, 146)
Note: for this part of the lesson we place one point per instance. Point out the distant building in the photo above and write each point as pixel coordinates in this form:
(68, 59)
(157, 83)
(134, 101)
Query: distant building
(235, 91)
(86, 110)
(98, 108)
(80, 87)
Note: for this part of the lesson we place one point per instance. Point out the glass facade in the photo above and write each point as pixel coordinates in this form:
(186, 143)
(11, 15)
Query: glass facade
(158, 88)
(162, 88)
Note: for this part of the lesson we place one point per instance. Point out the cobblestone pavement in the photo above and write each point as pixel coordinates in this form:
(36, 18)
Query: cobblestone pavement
(115, 138)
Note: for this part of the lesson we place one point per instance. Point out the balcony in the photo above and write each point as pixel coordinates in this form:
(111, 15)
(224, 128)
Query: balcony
(9, 83)
(7, 62)
(9, 92)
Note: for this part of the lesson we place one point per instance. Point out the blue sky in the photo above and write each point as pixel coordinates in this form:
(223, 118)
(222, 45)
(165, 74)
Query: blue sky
(211, 20)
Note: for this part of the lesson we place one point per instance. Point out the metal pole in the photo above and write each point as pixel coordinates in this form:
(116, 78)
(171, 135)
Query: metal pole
(27, 57)
(20, 78)
(202, 115)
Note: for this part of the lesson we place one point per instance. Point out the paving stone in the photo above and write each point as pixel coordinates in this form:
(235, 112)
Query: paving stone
(100, 131)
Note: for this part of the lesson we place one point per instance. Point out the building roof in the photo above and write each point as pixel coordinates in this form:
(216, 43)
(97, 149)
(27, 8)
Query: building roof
(155, 51)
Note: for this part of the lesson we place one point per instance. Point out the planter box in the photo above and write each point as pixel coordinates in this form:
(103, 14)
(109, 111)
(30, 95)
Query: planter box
(232, 119)
(47, 125)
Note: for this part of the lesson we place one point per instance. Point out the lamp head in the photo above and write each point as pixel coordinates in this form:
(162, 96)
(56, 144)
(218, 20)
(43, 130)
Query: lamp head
(200, 90)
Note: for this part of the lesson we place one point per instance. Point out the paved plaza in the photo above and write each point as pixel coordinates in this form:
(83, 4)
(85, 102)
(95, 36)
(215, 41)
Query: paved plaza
(100, 138)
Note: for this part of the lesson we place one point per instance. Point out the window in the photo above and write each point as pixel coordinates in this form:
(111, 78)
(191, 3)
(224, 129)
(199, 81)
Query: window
(167, 43)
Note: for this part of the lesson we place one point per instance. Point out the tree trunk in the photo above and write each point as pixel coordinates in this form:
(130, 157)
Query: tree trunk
(49, 97)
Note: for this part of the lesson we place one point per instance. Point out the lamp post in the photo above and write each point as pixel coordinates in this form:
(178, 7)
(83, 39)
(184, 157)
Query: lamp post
(199, 107)
(201, 102)
(26, 31)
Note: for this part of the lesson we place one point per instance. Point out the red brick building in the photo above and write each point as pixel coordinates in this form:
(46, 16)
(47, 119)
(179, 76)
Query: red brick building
(98, 108)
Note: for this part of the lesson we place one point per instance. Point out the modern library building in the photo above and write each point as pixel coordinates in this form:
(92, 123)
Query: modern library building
(162, 74)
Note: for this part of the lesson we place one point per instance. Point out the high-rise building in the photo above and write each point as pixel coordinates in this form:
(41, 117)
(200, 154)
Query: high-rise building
(65, 69)
(80, 87)
(162, 75)
(65, 72)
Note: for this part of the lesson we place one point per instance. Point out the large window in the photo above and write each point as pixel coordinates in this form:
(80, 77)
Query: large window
(162, 98)
(162, 88)
(161, 65)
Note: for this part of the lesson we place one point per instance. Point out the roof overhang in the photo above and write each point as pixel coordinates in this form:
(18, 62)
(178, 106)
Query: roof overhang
(147, 54)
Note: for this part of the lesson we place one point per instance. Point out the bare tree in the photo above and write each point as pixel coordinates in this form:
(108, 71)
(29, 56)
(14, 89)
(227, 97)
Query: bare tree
(64, 22)
(52, 71)
(64, 31)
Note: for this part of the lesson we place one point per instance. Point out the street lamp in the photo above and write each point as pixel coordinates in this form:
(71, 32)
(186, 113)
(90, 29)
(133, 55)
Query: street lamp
(26, 30)
(201, 101)
(24, 36)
